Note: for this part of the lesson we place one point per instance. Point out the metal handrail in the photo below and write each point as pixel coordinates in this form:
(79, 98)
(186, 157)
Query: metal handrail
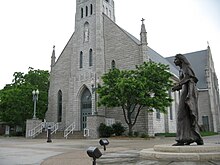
(55, 127)
(69, 130)
(36, 130)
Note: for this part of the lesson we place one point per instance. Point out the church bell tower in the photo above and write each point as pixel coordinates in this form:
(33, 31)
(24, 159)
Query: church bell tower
(89, 32)
(88, 50)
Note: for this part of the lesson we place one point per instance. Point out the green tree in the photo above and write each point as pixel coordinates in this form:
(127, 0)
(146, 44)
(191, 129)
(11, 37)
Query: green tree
(16, 104)
(145, 87)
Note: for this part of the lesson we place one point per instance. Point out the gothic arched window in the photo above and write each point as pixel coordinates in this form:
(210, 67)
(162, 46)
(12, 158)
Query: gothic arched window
(90, 57)
(91, 9)
(81, 60)
(86, 32)
(81, 12)
(59, 106)
(86, 11)
(157, 114)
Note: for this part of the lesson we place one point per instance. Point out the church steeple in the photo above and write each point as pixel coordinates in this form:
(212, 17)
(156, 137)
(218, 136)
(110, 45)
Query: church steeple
(53, 57)
(143, 38)
(143, 33)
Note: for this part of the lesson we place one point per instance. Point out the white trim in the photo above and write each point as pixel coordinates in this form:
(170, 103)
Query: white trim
(86, 132)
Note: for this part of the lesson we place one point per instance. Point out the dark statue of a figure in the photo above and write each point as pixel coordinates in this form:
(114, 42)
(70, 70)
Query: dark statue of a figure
(187, 116)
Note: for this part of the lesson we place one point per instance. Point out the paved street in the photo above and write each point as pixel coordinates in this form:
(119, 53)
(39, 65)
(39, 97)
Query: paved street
(21, 151)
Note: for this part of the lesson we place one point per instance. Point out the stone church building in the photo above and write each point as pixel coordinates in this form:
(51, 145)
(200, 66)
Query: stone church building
(97, 45)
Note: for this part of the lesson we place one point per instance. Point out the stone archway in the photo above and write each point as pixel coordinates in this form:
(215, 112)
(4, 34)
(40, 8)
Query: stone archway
(86, 107)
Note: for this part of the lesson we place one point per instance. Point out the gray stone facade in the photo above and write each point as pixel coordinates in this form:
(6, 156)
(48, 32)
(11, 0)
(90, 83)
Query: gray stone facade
(96, 43)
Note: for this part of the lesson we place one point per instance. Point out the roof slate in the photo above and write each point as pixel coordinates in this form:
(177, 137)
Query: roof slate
(198, 61)
(156, 57)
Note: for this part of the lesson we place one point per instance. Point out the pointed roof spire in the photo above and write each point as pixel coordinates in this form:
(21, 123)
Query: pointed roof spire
(208, 44)
(143, 29)
(143, 33)
(142, 20)
(53, 54)
(143, 39)
(53, 57)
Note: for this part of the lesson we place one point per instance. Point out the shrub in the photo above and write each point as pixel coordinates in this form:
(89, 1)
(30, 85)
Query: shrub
(105, 131)
(136, 134)
(118, 128)
(208, 133)
(130, 134)
(144, 135)
(166, 134)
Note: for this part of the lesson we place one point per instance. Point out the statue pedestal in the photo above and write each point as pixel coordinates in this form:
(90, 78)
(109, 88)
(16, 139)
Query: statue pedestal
(192, 153)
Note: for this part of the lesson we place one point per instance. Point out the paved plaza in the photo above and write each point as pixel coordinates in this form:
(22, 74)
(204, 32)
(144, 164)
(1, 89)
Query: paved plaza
(125, 151)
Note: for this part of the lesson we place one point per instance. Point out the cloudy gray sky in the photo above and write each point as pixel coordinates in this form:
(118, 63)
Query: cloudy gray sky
(30, 28)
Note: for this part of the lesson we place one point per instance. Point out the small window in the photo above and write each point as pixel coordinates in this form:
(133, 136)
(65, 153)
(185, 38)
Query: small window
(86, 11)
(110, 13)
(107, 0)
(81, 12)
(106, 11)
(90, 57)
(91, 9)
(113, 64)
(81, 60)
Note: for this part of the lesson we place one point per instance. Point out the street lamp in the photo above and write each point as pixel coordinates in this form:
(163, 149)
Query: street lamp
(35, 98)
(94, 83)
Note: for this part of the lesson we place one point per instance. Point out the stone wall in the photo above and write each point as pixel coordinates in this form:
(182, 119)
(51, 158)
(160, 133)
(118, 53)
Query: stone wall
(31, 124)
(159, 123)
(59, 80)
(93, 123)
(119, 47)
(204, 107)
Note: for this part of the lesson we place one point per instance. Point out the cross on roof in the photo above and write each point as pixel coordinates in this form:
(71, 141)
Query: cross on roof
(142, 20)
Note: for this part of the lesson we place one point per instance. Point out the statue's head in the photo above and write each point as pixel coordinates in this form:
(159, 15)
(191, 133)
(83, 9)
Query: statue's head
(180, 59)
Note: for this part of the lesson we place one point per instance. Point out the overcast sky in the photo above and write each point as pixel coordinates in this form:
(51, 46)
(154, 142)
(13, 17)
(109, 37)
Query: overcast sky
(30, 28)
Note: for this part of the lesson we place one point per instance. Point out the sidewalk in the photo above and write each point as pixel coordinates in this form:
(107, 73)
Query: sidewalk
(21, 151)
(119, 152)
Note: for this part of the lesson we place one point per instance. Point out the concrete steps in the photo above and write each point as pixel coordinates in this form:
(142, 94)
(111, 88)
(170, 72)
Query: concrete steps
(60, 135)
(76, 135)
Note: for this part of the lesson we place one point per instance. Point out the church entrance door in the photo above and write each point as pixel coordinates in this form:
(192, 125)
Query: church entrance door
(86, 107)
